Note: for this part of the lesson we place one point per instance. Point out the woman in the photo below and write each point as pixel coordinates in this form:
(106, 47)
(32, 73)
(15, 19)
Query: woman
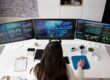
(53, 66)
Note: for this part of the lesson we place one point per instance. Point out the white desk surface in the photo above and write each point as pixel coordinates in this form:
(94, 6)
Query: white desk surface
(99, 69)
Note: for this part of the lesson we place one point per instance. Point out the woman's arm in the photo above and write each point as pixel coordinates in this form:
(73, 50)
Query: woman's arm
(79, 75)
(79, 69)
(33, 72)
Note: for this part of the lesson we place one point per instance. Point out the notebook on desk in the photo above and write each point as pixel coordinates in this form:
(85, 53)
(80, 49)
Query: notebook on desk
(39, 54)
(20, 64)
(75, 60)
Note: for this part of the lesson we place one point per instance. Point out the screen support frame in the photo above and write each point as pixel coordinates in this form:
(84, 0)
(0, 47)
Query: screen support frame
(56, 40)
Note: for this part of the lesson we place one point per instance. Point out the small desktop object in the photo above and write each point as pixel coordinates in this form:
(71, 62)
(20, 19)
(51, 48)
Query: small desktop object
(93, 31)
(82, 48)
(54, 29)
(31, 51)
(16, 31)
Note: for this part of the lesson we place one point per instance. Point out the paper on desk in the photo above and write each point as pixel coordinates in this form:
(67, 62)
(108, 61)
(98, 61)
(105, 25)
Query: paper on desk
(20, 64)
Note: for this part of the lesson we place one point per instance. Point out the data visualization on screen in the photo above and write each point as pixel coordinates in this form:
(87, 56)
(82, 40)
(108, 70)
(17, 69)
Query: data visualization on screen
(55, 28)
(89, 30)
(16, 31)
(106, 34)
(93, 31)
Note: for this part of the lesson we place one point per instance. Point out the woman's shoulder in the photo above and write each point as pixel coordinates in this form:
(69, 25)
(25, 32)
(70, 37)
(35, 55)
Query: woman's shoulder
(33, 70)
(36, 66)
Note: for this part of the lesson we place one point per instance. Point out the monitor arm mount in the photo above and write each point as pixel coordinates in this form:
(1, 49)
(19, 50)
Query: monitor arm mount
(55, 39)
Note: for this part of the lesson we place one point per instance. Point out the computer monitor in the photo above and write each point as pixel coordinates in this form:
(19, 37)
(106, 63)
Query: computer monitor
(16, 31)
(93, 31)
(89, 30)
(106, 34)
(55, 28)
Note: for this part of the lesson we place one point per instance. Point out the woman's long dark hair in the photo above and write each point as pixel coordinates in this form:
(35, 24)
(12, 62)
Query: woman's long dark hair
(52, 65)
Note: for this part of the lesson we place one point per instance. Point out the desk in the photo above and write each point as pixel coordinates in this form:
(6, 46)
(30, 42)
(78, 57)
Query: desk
(99, 69)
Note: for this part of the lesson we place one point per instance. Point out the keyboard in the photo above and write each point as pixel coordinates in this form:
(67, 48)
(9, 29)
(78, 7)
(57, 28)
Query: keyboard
(39, 54)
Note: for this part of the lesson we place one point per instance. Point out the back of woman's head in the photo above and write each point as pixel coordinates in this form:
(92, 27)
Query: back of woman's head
(53, 52)
(52, 65)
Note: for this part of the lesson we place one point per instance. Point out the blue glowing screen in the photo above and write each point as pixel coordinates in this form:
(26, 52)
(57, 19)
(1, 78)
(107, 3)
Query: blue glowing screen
(16, 31)
(54, 29)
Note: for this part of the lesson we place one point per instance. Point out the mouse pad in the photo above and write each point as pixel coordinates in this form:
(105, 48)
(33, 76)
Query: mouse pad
(75, 60)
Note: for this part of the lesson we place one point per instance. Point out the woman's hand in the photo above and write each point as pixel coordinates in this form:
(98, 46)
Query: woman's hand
(81, 63)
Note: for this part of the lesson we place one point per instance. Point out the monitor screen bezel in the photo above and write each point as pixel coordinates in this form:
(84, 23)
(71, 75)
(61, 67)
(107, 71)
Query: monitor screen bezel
(74, 26)
(92, 21)
(23, 39)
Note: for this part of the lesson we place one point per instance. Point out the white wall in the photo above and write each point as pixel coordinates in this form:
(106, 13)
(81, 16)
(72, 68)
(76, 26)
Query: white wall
(90, 10)
(53, 9)
(49, 8)
(70, 11)
(93, 9)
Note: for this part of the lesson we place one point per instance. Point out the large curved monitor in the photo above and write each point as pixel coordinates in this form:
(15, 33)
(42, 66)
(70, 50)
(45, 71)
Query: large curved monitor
(55, 28)
(16, 31)
(93, 31)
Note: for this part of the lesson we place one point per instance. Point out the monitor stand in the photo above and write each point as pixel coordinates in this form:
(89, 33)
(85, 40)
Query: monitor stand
(55, 40)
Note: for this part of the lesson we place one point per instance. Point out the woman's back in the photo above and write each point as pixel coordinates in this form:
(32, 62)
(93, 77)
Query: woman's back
(52, 65)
